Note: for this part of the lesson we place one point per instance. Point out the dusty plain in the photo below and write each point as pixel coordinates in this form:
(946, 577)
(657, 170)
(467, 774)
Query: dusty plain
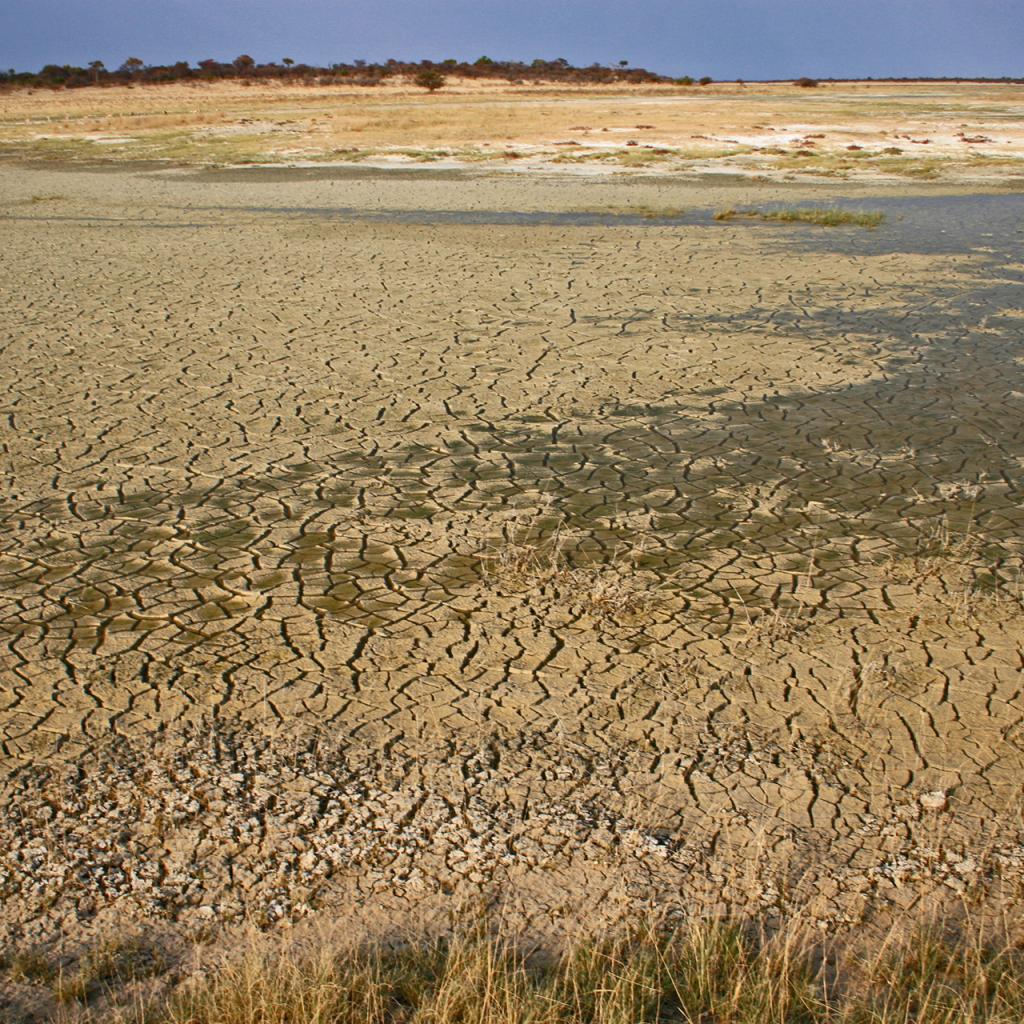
(374, 540)
(960, 131)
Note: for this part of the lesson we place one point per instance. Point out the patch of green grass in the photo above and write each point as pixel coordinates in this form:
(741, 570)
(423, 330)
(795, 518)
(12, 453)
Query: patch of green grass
(825, 217)
(631, 157)
(908, 167)
(883, 161)
(642, 157)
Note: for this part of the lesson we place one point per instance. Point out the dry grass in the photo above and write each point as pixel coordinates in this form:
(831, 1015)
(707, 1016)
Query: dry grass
(665, 125)
(31, 965)
(108, 964)
(953, 560)
(533, 554)
(714, 972)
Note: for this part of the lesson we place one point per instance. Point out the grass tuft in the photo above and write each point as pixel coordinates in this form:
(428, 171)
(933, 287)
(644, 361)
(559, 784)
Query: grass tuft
(32, 966)
(532, 554)
(111, 963)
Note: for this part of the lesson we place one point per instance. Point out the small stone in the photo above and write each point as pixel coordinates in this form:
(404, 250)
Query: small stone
(934, 801)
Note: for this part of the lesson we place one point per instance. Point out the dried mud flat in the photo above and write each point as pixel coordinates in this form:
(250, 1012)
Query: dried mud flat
(366, 564)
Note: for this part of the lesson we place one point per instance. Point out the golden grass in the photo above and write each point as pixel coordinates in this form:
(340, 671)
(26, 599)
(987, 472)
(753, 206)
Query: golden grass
(115, 961)
(711, 972)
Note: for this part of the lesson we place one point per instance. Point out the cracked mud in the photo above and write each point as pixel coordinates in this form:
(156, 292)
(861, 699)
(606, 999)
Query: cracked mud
(355, 562)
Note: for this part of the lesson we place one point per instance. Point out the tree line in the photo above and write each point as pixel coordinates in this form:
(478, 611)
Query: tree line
(359, 72)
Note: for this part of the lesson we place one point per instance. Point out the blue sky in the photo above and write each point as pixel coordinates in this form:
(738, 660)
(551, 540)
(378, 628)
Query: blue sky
(722, 38)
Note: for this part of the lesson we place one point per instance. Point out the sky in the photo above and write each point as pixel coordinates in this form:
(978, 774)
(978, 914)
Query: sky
(726, 39)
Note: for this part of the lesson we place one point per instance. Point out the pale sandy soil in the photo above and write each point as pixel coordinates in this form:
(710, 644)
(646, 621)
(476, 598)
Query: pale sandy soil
(857, 130)
(285, 633)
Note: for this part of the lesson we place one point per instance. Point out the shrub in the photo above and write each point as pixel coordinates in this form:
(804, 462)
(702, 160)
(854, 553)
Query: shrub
(807, 83)
(430, 79)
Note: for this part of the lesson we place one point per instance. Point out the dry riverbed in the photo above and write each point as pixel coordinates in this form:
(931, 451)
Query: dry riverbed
(371, 542)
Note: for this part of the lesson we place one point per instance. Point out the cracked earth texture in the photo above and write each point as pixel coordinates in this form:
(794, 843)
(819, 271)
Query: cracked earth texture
(263, 651)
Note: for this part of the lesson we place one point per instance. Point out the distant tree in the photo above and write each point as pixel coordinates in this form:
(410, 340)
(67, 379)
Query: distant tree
(706, 80)
(132, 65)
(481, 62)
(807, 83)
(430, 79)
(685, 80)
(623, 63)
(243, 63)
(287, 61)
(96, 66)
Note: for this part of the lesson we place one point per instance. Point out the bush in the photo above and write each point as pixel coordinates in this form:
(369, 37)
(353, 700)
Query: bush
(430, 79)
(807, 83)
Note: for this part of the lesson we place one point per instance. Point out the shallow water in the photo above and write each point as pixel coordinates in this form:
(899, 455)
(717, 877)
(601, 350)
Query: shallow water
(922, 224)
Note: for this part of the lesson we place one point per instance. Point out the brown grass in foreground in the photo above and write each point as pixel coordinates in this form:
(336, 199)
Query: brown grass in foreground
(710, 972)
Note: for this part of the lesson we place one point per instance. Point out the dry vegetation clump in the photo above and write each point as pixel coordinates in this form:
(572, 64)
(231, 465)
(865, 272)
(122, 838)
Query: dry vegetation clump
(953, 562)
(31, 965)
(711, 971)
(824, 217)
(114, 962)
(773, 626)
(532, 553)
